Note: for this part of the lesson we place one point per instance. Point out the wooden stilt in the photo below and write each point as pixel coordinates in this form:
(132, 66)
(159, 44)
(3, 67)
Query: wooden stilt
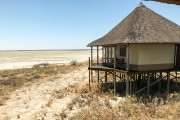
(98, 75)
(89, 75)
(98, 55)
(114, 83)
(130, 87)
(160, 83)
(176, 77)
(139, 76)
(127, 86)
(111, 53)
(107, 54)
(127, 58)
(91, 55)
(114, 69)
(148, 87)
(105, 76)
(168, 82)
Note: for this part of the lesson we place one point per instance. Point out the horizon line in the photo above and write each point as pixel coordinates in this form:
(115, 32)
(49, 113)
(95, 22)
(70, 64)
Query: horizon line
(48, 50)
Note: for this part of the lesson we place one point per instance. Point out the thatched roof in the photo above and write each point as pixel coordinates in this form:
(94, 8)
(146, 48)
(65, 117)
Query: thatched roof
(177, 2)
(141, 26)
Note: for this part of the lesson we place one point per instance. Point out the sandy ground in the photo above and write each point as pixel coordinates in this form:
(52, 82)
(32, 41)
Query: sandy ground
(43, 99)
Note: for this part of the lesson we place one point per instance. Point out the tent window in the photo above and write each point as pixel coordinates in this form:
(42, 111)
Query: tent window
(123, 51)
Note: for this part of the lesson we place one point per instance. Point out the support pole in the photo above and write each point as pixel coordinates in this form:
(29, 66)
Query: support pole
(89, 75)
(127, 85)
(130, 91)
(91, 55)
(176, 78)
(111, 53)
(98, 55)
(107, 54)
(148, 85)
(127, 57)
(160, 83)
(114, 70)
(98, 76)
(114, 83)
(114, 57)
(91, 63)
(105, 76)
(168, 82)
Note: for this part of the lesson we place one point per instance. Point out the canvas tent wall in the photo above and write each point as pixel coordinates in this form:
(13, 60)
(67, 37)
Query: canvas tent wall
(143, 57)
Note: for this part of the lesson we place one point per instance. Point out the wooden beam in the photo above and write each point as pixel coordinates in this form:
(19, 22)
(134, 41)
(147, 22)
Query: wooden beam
(91, 55)
(127, 57)
(114, 57)
(160, 84)
(98, 75)
(130, 87)
(89, 74)
(168, 82)
(107, 54)
(114, 83)
(148, 85)
(127, 85)
(98, 55)
(111, 53)
(105, 76)
(176, 77)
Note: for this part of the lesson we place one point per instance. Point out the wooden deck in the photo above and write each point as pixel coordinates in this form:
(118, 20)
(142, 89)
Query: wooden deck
(104, 68)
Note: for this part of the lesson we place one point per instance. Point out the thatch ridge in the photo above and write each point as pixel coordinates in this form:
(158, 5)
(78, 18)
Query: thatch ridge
(141, 26)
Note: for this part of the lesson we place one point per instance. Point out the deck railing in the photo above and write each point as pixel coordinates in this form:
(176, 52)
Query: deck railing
(110, 65)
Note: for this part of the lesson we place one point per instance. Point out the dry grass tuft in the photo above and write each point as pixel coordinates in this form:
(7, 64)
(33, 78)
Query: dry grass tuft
(74, 63)
(101, 113)
(63, 115)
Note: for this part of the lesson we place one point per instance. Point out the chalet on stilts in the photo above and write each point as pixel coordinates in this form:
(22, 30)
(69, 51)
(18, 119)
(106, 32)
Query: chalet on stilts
(143, 47)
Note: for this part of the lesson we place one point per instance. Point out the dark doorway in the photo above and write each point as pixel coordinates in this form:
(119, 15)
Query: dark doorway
(177, 57)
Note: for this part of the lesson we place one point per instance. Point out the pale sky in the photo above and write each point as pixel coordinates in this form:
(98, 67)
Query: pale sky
(66, 24)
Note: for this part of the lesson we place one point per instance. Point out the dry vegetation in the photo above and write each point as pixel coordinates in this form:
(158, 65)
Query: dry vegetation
(11, 80)
(85, 104)
(104, 106)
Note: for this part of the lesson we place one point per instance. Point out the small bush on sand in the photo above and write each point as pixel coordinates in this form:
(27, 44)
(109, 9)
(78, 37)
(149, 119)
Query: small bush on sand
(74, 63)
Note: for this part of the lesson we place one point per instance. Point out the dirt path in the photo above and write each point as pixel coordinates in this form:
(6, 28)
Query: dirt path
(42, 99)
